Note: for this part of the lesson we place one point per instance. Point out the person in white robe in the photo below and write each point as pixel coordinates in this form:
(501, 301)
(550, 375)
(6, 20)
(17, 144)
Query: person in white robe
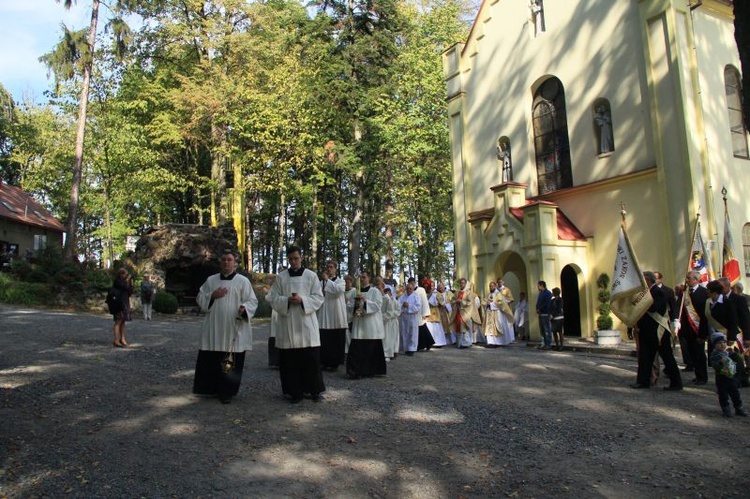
(332, 318)
(504, 302)
(491, 320)
(296, 296)
(424, 339)
(408, 322)
(273, 352)
(229, 302)
(350, 292)
(391, 312)
(521, 316)
(444, 299)
(465, 314)
(366, 356)
(434, 322)
(478, 335)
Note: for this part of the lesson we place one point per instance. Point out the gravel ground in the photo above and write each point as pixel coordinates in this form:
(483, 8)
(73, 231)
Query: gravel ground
(79, 418)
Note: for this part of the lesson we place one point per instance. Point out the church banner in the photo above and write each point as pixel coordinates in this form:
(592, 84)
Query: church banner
(699, 258)
(630, 297)
(730, 266)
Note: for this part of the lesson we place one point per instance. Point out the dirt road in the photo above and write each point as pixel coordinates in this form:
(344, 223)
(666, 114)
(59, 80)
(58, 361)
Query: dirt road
(79, 418)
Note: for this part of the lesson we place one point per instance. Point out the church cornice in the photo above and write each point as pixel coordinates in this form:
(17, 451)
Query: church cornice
(598, 185)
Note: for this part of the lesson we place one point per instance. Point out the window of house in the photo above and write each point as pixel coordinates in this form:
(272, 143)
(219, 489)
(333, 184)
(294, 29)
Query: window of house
(733, 88)
(746, 247)
(603, 131)
(40, 242)
(551, 144)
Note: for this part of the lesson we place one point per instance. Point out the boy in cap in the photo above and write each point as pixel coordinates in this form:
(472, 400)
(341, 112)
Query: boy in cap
(725, 365)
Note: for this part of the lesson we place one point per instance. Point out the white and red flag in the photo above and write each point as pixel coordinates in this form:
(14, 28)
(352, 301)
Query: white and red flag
(730, 266)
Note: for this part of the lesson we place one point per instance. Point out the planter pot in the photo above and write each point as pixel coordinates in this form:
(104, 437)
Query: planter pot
(608, 337)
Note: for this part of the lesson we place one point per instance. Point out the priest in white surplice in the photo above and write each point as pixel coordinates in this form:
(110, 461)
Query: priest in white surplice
(296, 296)
(332, 318)
(229, 302)
(366, 356)
(408, 321)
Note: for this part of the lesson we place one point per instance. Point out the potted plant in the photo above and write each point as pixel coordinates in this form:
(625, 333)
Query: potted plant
(605, 335)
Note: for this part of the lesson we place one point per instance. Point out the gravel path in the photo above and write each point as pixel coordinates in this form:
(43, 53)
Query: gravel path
(79, 418)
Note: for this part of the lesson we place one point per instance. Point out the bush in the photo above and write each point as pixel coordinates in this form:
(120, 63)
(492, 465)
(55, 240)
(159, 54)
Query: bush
(68, 274)
(99, 279)
(604, 321)
(25, 293)
(165, 303)
(20, 269)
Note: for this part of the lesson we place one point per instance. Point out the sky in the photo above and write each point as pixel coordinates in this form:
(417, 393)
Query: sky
(28, 30)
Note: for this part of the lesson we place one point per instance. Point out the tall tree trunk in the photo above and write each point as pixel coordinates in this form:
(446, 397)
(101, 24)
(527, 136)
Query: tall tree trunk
(71, 229)
(742, 36)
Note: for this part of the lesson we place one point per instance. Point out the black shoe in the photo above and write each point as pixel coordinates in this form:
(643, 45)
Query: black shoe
(740, 412)
(688, 369)
(226, 400)
(638, 385)
(410, 354)
(671, 388)
(295, 400)
(726, 412)
(699, 382)
(317, 397)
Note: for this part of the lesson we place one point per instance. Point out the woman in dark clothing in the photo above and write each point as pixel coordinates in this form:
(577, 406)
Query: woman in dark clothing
(124, 283)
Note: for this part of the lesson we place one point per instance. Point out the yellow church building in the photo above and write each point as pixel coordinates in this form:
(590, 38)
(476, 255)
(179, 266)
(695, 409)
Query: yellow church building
(563, 111)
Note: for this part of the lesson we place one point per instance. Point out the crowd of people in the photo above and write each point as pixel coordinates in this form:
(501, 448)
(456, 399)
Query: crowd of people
(320, 323)
(709, 319)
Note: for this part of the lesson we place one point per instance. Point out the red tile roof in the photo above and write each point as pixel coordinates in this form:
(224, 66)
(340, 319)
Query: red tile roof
(20, 207)
(566, 231)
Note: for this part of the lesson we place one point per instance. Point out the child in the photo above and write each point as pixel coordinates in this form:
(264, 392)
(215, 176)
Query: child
(558, 319)
(725, 365)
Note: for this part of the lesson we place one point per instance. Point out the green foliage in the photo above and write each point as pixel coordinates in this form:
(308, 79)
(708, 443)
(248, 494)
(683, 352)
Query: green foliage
(24, 293)
(98, 279)
(604, 321)
(165, 303)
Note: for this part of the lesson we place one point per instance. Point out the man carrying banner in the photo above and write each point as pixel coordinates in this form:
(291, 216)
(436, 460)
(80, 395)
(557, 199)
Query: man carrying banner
(656, 337)
(693, 326)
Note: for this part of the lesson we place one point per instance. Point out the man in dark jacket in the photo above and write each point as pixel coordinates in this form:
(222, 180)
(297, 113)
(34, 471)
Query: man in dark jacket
(655, 337)
(694, 328)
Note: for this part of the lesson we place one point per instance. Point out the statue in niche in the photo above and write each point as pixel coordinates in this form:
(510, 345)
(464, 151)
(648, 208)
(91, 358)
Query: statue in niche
(537, 15)
(503, 154)
(603, 120)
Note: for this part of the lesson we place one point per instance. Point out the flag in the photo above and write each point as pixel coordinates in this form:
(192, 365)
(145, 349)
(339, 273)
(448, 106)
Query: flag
(730, 266)
(699, 257)
(630, 297)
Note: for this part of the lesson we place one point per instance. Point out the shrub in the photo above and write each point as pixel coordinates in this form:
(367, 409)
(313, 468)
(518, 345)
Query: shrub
(165, 303)
(20, 269)
(68, 274)
(604, 321)
(99, 279)
(25, 293)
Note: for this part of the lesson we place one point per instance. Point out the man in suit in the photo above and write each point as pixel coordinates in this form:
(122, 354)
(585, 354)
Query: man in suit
(743, 322)
(694, 329)
(656, 337)
(674, 315)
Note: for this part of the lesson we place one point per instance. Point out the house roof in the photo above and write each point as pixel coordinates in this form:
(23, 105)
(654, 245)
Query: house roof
(20, 207)
(566, 230)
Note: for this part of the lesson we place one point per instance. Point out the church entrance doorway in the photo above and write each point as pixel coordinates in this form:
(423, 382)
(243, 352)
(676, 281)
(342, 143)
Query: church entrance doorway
(571, 301)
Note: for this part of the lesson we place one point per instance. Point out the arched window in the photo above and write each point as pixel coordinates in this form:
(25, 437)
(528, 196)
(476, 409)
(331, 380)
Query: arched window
(733, 88)
(505, 158)
(551, 137)
(603, 131)
(746, 247)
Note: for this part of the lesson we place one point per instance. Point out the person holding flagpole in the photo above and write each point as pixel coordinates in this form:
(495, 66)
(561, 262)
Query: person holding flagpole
(656, 338)
(693, 325)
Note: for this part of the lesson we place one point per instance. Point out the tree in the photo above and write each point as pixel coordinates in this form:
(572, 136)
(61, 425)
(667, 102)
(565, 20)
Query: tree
(8, 171)
(73, 54)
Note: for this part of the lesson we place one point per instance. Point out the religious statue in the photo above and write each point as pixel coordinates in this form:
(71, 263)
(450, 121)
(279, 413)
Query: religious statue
(503, 154)
(537, 15)
(604, 122)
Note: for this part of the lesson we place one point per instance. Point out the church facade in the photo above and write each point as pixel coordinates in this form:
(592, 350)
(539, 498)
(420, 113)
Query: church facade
(564, 113)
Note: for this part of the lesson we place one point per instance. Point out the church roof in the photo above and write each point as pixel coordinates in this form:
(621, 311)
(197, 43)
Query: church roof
(566, 230)
(20, 207)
